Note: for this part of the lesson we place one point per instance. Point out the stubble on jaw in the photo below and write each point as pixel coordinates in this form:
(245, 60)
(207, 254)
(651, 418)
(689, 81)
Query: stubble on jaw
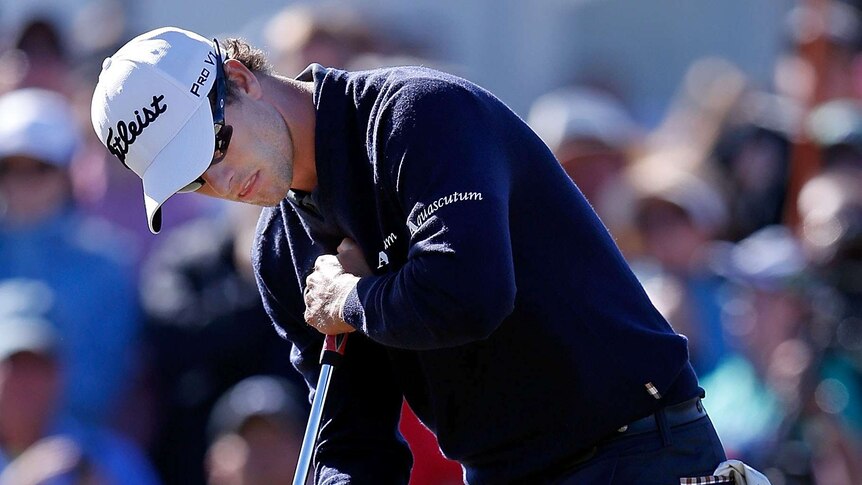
(281, 169)
(285, 168)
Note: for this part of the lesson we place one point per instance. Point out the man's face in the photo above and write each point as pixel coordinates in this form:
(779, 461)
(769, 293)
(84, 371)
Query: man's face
(258, 164)
(669, 234)
(31, 190)
(29, 389)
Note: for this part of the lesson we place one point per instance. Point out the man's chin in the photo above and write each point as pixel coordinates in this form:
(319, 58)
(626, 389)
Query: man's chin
(266, 202)
(259, 203)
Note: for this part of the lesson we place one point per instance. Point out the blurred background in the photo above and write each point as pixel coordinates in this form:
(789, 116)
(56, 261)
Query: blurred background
(719, 140)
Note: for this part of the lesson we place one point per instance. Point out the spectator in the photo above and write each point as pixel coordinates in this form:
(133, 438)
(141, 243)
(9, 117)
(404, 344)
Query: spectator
(44, 236)
(753, 154)
(256, 428)
(36, 444)
(593, 137)
(677, 216)
(38, 59)
(831, 210)
(758, 387)
(781, 402)
(302, 34)
(207, 330)
(834, 71)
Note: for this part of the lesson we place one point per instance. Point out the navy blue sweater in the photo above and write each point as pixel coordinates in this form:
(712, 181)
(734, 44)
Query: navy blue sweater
(500, 306)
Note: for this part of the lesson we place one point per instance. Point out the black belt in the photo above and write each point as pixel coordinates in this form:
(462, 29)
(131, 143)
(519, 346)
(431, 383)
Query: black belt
(676, 415)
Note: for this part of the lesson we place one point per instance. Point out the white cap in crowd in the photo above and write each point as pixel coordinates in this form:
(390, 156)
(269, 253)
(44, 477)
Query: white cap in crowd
(38, 124)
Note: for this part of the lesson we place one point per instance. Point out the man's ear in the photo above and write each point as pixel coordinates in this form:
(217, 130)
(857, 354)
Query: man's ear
(245, 80)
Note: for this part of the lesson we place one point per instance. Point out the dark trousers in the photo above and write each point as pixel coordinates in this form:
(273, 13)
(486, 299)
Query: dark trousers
(661, 456)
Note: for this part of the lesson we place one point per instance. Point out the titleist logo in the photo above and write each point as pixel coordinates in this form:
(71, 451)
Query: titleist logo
(128, 133)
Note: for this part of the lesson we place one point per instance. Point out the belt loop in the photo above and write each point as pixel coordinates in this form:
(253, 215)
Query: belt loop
(664, 429)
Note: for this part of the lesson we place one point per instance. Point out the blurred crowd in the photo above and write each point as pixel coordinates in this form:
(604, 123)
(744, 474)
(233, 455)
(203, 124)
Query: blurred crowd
(127, 358)
(741, 214)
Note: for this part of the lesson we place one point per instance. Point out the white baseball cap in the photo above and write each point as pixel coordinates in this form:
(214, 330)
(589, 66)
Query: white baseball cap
(38, 124)
(151, 110)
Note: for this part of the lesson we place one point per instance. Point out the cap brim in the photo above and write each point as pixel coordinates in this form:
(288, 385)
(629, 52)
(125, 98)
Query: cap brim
(183, 159)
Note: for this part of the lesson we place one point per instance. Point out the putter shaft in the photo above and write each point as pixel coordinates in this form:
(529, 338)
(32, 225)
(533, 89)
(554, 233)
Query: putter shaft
(303, 465)
(330, 357)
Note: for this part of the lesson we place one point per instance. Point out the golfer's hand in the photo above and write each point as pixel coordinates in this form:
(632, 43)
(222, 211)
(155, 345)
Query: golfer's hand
(325, 291)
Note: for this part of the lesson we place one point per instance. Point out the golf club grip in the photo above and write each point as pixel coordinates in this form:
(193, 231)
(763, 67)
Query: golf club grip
(333, 349)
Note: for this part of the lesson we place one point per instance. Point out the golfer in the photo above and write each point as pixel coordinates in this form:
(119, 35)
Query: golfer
(413, 209)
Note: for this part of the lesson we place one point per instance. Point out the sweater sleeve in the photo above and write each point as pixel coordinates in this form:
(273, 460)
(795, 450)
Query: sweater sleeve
(451, 177)
(359, 440)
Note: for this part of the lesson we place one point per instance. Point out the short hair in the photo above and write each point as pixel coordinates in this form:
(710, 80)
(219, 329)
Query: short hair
(251, 57)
